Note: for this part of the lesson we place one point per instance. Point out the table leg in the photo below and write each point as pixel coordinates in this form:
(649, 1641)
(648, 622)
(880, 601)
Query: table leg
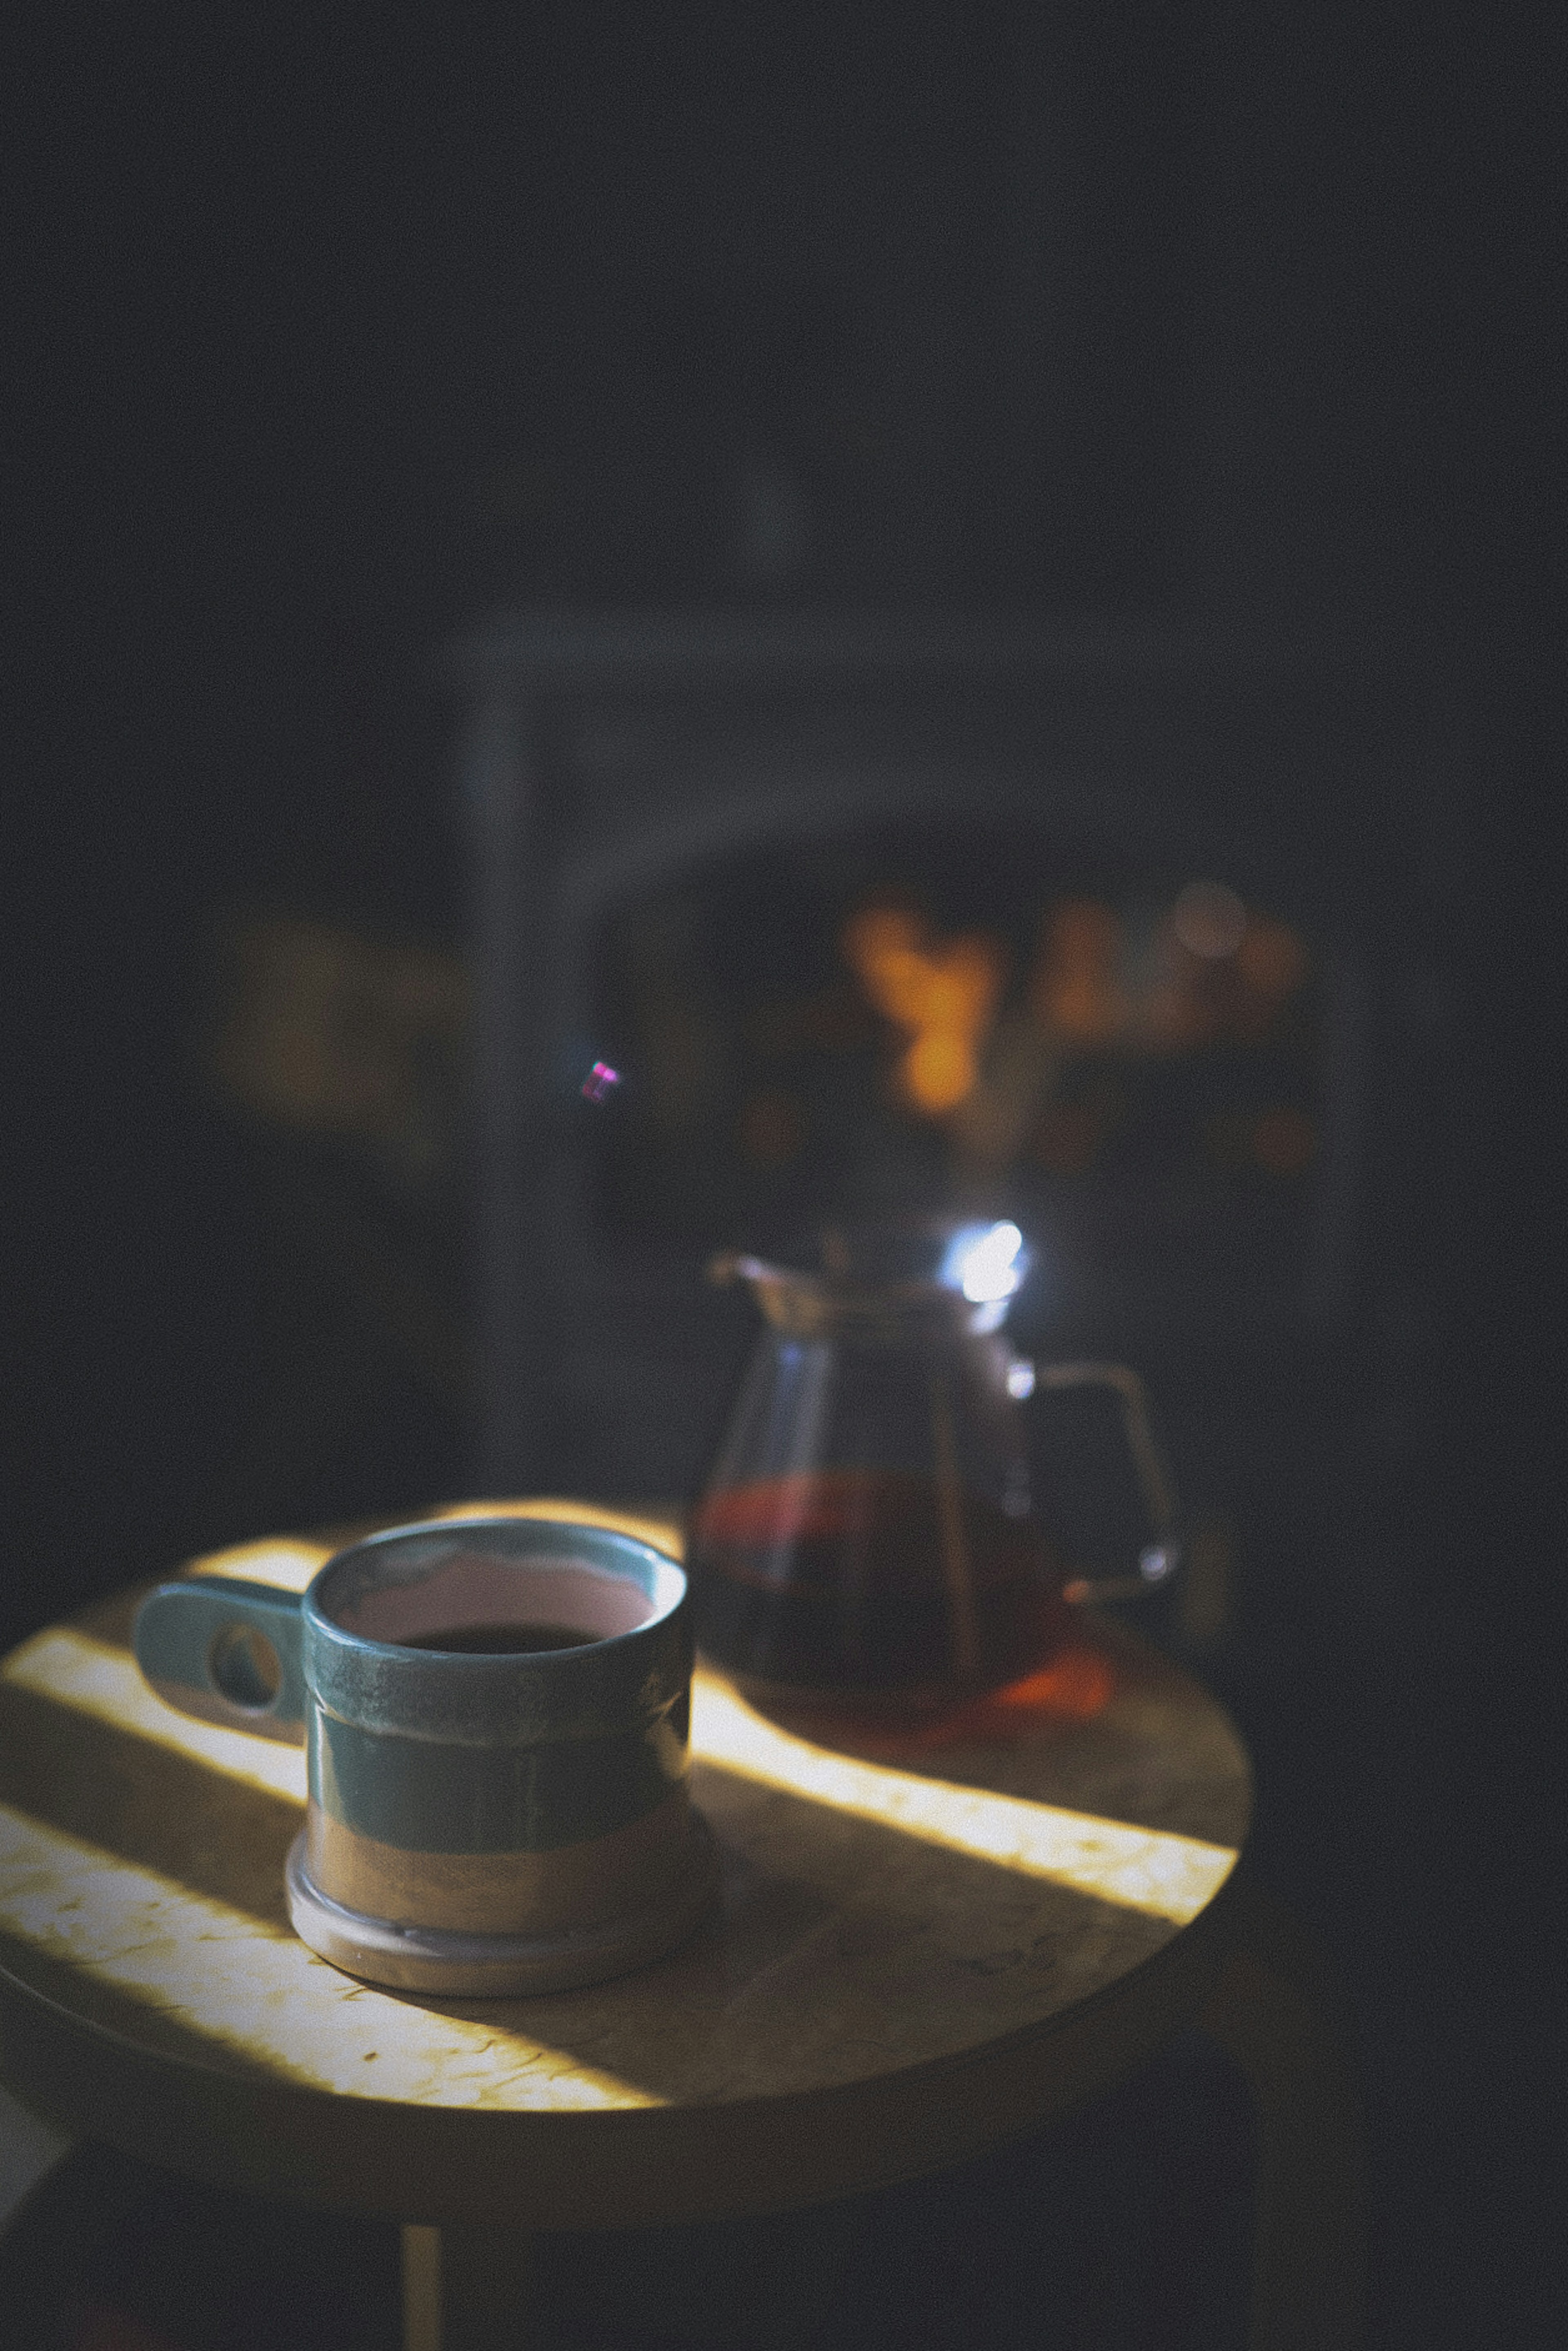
(29, 2150)
(1273, 2014)
(421, 2288)
(465, 2289)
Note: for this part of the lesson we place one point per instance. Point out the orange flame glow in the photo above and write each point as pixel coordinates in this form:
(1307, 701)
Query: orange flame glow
(943, 995)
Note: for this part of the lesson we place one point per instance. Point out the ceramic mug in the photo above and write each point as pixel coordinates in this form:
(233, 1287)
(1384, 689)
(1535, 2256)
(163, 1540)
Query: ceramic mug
(496, 1715)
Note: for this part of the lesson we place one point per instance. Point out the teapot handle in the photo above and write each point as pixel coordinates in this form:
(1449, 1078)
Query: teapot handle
(1159, 1560)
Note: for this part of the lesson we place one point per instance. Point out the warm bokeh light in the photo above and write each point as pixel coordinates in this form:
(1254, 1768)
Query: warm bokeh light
(1077, 990)
(1149, 1870)
(328, 1032)
(1210, 920)
(1209, 970)
(1271, 959)
(91, 1678)
(1181, 1010)
(943, 994)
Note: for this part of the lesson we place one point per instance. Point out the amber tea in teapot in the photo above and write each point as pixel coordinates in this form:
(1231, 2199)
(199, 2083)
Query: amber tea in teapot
(868, 1533)
(889, 1583)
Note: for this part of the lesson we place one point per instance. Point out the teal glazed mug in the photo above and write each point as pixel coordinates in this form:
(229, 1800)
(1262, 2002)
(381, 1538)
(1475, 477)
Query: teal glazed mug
(495, 1717)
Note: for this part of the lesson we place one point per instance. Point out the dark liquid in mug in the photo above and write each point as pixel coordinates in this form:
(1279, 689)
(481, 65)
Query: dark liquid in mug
(860, 1580)
(499, 1640)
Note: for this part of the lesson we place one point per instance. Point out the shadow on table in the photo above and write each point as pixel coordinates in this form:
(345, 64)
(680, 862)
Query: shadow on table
(1126, 2227)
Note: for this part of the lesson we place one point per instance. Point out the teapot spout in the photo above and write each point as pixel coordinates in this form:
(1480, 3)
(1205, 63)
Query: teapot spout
(793, 1302)
(727, 1266)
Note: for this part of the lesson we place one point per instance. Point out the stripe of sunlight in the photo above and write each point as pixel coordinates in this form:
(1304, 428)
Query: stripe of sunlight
(289, 1561)
(92, 1677)
(258, 1991)
(662, 1534)
(1152, 1870)
(285, 1561)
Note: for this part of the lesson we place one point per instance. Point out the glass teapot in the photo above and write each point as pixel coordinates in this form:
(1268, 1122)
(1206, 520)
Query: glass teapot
(869, 1534)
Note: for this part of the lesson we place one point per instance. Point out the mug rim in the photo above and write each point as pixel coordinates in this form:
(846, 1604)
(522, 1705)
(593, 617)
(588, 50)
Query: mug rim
(517, 1697)
(586, 1534)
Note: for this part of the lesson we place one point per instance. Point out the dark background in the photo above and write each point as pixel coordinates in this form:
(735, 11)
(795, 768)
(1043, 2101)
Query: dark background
(322, 341)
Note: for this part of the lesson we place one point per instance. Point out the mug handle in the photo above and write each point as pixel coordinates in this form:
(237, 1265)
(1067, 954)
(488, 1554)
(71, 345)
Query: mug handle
(226, 1651)
(1158, 1559)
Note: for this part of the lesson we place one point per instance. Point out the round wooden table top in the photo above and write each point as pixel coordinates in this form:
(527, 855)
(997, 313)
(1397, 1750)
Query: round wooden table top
(919, 1950)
